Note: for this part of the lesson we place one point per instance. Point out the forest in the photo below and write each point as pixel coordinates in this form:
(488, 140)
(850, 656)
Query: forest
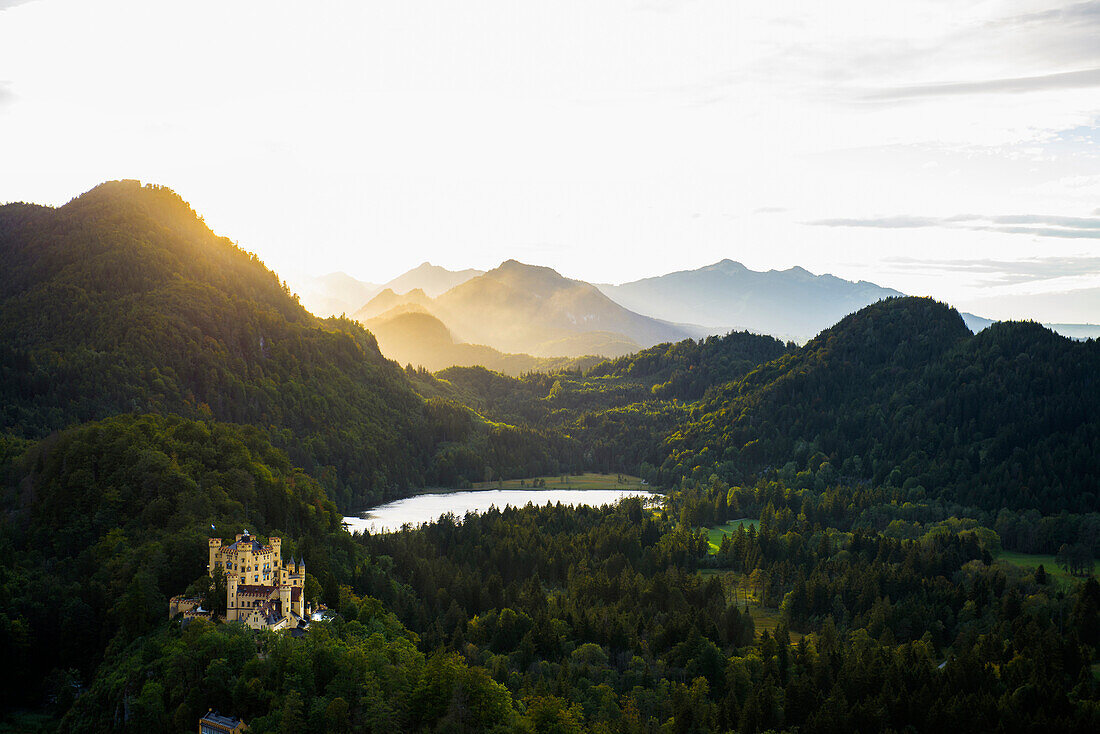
(158, 384)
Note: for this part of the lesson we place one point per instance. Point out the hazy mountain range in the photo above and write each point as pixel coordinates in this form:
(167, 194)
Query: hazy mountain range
(339, 293)
(529, 309)
(791, 304)
(518, 317)
(333, 294)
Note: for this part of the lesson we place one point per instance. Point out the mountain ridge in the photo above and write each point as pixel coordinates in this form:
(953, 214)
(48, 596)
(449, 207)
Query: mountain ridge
(532, 309)
(727, 295)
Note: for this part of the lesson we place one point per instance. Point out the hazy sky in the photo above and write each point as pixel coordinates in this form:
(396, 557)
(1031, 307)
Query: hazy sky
(938, 147)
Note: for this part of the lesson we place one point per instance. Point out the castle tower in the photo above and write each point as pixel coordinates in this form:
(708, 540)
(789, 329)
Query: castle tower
(277, 548)
(231, 606)
(215, 549)
(284, 600)
(300, 582)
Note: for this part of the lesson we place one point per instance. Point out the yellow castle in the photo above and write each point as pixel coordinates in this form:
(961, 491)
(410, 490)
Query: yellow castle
(261, 590)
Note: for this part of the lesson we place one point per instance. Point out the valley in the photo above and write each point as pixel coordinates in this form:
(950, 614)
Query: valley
(839, 520)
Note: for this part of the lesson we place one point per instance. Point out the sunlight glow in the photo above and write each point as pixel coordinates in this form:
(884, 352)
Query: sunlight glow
(611, 141)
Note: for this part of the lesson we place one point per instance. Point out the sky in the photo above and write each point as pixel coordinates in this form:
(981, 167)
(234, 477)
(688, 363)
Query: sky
(936, 147)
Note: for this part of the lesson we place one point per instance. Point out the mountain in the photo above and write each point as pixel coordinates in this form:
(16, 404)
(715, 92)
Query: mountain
(902, 394)
(976, 323)
(412, 336)
(333, 294)
(530, 309)
(387, 300)
(792, 304)
(431, 279)
(123, 301)
(339, 293)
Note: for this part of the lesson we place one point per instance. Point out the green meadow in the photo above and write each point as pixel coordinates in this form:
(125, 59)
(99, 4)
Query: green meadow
(716, 533)
(1032, 561)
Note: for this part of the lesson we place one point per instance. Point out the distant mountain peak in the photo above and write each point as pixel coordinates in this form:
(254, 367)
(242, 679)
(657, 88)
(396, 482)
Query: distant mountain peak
(517, 273)
(433, 280)
(513, 264)
(726, 265)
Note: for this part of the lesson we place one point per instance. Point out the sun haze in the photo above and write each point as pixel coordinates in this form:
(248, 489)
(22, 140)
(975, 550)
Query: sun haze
(935, 148)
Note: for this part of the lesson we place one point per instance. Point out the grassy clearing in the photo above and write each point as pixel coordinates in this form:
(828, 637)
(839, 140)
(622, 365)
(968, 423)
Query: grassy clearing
(768, 619)
(1031, 562)
(588, 480)
(715, 534)
(740, 592)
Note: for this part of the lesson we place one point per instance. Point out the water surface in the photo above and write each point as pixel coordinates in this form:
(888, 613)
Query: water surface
(427, 508)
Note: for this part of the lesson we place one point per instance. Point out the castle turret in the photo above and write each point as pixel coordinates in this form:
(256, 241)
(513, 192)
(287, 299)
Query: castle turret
(215, 549)
(277, 548)
(300, 582)
(231, 606)
(284, 600)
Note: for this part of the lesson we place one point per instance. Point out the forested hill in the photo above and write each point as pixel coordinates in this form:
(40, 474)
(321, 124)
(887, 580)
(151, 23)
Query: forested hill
(900, 393)
(686, 369)
(123, 301)
(615, 416)
(103, 523)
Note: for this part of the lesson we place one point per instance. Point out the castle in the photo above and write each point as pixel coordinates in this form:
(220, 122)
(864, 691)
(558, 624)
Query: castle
(261, 591)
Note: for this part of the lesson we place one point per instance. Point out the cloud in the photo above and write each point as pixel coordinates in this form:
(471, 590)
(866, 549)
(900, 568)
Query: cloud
(5, 4)
(1016, 85)
(770, 210)
(1086, 13)
(6, 95)
(895, 222)
(1039, 225)
(1010, 272)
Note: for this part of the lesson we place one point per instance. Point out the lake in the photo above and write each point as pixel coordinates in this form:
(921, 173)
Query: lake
(427, 508)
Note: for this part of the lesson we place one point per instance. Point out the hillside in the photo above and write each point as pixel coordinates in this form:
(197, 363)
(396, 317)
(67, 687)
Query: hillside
(619, 410)
(105, 522)
(902, 394)
(412, 336)
(791, 304)
(124, 301)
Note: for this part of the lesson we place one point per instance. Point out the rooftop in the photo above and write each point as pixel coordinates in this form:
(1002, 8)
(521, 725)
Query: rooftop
(247, 543)
(213, 717)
